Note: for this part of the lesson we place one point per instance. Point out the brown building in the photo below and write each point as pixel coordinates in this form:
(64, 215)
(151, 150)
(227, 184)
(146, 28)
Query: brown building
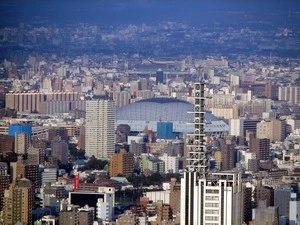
(128, 219)
(261, 147)
(18, 202)
(264, 193)
(81, 142)
(137, 148)
(30, 172)
(58, 191)
(175, 196)
(4, 182)
(3, 168)
(73, 215)
(61, 132)
(60, 149)
(7, 143)
(39, 143)
(271, 91)
(163, 212)
(36, 156)
(253, 165)
(227, 149)
(121, 163)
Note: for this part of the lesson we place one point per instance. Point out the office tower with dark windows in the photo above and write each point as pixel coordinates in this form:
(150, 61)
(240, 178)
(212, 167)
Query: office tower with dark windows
(4, 181)
(261, 147)
(160, 79)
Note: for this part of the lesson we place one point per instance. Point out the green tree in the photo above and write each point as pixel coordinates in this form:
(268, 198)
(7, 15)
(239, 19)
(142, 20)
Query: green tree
(95, 164)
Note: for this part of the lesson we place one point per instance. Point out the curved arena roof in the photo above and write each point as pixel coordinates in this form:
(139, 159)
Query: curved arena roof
(148, 112)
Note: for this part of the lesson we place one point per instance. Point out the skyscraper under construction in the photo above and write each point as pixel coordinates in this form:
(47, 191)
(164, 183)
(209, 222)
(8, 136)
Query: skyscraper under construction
(207, 198)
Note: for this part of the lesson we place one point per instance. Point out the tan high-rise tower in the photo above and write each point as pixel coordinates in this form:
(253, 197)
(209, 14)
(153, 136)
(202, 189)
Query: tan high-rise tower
(18, 202)
(121, 163)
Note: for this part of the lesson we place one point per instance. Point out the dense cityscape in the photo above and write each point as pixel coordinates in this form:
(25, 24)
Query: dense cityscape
(115, 113)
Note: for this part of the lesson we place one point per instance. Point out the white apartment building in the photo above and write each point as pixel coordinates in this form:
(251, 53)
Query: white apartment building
(290, 94)
(171, 163)
(214, 200)
(105, 206)
(49, 175)
(236, 127)
(99, 130)
(294, 210)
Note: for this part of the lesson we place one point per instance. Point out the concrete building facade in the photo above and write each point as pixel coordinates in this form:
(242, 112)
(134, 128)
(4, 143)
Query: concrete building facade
(99, 128)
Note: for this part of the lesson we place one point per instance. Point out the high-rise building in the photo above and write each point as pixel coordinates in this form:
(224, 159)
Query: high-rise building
(264, 193)
(227, 149)
(271, 91)
(100, 125)
(250, 125)
(61, 132)
(247, 204)
(18, 202)
(215, 199)
(294, 209)
(236, 127)
(36, 156)
(3, 168)
(4, 182)
(265, 215)
(59, 149)
(22, 142)
(261, 147)
(171, 163)
(290, 94)
(163, 211)
(207, 198)
(175, 196)
(30, 172)
(274, 129)
(165, 130)
(49, 175)
(121, 163)
(19, 128)
(7, 143)
(160, 77)
(282, 199)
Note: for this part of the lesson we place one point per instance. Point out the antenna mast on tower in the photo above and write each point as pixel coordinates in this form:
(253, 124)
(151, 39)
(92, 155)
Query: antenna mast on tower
(197, 155)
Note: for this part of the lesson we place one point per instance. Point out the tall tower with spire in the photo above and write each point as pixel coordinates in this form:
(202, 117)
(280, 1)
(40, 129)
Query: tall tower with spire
(196, 158)
(206, 197)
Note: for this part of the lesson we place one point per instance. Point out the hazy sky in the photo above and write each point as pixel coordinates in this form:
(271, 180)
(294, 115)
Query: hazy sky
(281, 12)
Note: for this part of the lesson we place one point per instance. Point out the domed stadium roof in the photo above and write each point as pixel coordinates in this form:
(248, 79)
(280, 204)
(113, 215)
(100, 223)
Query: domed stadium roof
(148, 112)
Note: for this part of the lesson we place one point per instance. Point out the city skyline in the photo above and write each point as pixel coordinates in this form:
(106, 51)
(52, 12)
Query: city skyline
(147, 112)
